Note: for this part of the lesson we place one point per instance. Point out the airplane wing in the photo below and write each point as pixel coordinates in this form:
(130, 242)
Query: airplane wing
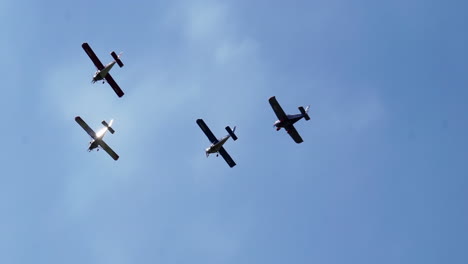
(226, 157)
(277, 108)
(294, 134)
(85, 126)
(114, 85)
(207, 131)
(109, 151)
(92, 56)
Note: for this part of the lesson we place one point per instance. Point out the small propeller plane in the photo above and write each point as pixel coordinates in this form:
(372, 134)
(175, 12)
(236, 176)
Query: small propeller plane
(287, 121)
(217, 144)
(97, 137)
(102, 72)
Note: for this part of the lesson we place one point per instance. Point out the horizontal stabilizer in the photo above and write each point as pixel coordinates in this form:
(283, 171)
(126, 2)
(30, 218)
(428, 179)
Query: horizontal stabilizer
(304, 112)
(104, 123)
(117, 59)
(231, 132)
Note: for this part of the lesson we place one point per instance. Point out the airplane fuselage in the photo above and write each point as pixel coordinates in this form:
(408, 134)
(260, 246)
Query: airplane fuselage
(92, 145)
(101, 74)
(95, 142)
(214, 148)
(290, 121)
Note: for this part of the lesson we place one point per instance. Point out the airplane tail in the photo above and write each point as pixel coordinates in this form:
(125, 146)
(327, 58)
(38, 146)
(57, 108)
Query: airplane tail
(304, 112)
(231, 132)
(109, 126)
(117, 59)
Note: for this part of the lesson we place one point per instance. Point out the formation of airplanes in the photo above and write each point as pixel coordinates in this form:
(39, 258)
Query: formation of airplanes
(217, 144)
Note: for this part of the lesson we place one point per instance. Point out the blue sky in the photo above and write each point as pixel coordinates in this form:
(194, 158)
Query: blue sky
(380, 178)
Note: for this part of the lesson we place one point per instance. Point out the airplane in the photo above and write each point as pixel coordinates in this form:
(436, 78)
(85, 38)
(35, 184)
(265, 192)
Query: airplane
(217, 144)
(97, 137)
(287, 121)
(103, 71)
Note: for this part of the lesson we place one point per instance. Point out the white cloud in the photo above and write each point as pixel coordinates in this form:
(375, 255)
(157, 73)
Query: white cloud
(227, 51)
(205, 19)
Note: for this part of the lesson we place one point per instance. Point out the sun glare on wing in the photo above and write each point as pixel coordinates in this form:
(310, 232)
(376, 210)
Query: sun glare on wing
(101, 132)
